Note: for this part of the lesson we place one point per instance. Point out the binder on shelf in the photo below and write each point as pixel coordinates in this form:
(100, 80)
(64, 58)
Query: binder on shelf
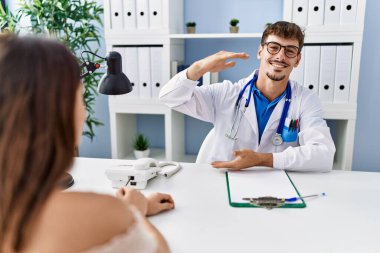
(129, 14)
(332, 12)
(299, 12)
(315, 12)
(116, 14)
(348, 11)
(174, 67)
(298, 72)
(145, 90)
(156, 70)
(342, 74)
(327, 73)
(311, 74)
(261, 182)
(142, 14)
(130, 67)
(155, 14)
(206, 78)
(209, 78)
(214, 77)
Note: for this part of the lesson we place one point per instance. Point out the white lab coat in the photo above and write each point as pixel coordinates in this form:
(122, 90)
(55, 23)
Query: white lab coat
(313, 151)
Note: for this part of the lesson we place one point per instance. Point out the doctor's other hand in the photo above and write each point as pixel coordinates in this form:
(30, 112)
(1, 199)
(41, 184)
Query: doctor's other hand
(133, 197)
(159, 202)
(245, 158)
(214, 63)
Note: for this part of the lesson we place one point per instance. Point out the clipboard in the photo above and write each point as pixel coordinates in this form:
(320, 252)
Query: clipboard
(261, 182)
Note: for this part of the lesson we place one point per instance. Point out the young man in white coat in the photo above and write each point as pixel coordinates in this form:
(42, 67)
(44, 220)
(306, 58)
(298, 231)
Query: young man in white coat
(282, 126)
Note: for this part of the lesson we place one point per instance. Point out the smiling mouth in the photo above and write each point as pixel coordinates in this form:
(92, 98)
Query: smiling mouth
(278, 65)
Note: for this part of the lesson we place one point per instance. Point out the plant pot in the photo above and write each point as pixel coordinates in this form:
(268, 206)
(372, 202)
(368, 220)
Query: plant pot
(234, 29)
(190, 29)
(141, 153)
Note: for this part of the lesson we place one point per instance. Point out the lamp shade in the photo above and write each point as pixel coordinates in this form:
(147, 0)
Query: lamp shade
(114, 82)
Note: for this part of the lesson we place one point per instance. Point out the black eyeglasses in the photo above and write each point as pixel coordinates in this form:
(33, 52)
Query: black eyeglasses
(274, 47)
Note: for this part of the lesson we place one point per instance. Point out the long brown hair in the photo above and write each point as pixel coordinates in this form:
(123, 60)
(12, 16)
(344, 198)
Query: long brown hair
(39, 79)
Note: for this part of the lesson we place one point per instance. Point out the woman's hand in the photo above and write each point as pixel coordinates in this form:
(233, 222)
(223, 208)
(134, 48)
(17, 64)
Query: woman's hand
(159, 202)
(135, 198)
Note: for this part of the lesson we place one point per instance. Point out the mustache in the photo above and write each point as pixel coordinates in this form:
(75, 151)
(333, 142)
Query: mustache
(280, 62)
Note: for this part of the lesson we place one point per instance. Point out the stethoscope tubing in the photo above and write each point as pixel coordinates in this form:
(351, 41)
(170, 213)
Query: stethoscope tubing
(251, 83)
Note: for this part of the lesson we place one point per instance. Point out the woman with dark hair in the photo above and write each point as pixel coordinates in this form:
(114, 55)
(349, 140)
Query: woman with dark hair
(41, 120)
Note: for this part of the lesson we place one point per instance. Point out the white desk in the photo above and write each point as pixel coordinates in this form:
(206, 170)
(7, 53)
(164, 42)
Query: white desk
(347, 220)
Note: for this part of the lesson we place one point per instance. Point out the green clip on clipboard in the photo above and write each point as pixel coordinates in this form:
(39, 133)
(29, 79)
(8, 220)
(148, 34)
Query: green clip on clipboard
(261, 183)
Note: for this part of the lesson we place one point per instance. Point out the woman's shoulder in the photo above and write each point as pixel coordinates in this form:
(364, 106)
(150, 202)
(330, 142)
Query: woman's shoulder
(103, 210)
(76, 221)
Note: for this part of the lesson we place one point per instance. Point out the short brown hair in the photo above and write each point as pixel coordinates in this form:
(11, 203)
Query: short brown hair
(284, 30)
(39, 81)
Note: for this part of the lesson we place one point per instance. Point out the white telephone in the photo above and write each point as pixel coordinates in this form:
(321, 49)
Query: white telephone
(137, 174)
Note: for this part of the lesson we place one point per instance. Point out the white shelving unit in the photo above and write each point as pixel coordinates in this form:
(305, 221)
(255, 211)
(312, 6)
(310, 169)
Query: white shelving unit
(170, 36)
(121, 22)
(344, 114)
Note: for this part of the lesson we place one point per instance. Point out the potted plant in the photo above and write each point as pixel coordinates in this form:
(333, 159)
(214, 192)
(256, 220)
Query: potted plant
(190, 27)
(76, 24)
(234, 28)
(141, 146)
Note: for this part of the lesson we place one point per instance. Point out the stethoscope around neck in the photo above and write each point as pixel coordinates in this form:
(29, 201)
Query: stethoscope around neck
(238, 114)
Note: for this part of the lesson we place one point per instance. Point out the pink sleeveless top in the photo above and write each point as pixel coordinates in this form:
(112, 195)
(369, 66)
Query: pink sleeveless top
(137, 239)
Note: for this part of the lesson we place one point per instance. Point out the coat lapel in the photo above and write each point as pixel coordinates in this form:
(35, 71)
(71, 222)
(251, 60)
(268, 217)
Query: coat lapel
(250, 116)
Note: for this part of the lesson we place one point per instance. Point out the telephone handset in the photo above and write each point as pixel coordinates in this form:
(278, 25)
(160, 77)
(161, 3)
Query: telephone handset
(145, 163)
(137, 174)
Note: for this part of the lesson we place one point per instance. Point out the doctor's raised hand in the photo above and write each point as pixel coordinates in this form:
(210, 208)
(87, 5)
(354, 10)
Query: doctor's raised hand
(214, 63)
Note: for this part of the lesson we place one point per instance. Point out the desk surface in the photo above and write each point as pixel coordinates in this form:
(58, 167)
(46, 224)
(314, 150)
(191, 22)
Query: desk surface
(347, 220)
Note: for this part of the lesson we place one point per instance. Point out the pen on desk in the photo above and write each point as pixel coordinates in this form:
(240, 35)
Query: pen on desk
(304, 197)
(294, 199)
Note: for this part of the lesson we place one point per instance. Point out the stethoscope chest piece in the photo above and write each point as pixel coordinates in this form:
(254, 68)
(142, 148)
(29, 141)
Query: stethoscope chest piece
(277, 140)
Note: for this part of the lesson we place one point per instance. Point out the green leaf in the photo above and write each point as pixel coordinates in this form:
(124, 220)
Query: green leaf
(141, 143)
(74, 23)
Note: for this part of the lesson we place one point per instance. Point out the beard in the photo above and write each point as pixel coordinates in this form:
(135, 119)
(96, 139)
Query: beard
(274, 77)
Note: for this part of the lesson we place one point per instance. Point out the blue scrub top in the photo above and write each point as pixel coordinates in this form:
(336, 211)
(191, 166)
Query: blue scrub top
(264, 108)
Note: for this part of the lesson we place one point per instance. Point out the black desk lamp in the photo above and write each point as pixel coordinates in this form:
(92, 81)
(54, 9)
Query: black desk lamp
(114, 82)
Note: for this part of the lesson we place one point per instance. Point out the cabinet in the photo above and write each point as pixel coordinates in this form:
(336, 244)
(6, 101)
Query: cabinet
(141, 26)
(125, 29)
(341, 24)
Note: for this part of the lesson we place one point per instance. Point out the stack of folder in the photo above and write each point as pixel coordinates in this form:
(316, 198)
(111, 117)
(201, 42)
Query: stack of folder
(143, 67)
(326, 70)
(320, 12)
